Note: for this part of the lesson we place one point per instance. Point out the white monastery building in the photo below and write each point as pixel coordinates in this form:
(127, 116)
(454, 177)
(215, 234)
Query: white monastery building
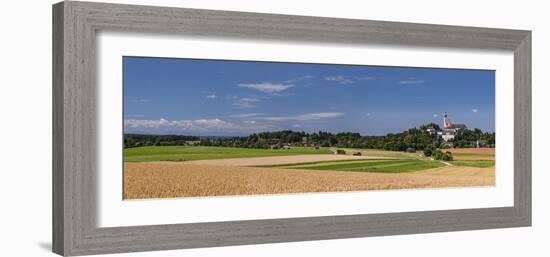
(449, 129)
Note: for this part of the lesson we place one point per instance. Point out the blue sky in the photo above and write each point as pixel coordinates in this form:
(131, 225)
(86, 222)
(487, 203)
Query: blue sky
(233, 98)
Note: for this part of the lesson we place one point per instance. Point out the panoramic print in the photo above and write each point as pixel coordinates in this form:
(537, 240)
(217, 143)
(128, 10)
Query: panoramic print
(199, 128)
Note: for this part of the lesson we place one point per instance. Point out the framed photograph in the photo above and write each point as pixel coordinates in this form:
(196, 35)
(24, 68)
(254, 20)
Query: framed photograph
(182, 128)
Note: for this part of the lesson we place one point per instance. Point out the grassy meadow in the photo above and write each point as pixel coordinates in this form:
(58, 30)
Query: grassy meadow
(383, 166)
(190, 153)
(398, 162)
(384, 153)
(478, 163)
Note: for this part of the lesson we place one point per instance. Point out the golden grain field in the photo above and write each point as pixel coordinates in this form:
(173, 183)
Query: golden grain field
(470, 154)
(167, 180)
(488, 151)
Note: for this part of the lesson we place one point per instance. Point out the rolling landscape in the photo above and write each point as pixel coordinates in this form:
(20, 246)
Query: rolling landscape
(195, 171)
(203, 128)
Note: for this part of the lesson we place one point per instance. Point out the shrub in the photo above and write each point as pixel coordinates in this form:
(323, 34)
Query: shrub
(428, 151)
(448, 156)
(439, 155)
(340, 151)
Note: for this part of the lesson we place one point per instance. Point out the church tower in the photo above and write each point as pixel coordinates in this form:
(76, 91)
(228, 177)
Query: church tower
(446, 121)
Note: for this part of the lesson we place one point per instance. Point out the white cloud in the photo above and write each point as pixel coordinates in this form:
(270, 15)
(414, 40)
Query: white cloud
(305, 117)
(334, 78)
(203, 126)
(213, 123)
(250, 99)
(296, 125)
(300, 78)
(194, 125)
(340, 79)
(282, 94)
(267, 87)
(246, 115)
(245, 102)
(145, 123)
(474, 110)
(368, 114)
(212, 96)
(435, 115)
(141, 100)
(411, 81)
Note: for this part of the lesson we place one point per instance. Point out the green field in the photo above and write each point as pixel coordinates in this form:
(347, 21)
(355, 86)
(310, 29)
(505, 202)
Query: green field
(404, 162)
(382, 153)
(188, 153)
(385, 165)
(478, 164)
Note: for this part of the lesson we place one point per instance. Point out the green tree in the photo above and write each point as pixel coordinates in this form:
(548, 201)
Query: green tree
(428, 151)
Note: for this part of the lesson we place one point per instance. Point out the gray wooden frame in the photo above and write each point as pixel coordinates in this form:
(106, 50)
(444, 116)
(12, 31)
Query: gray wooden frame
(74, 128)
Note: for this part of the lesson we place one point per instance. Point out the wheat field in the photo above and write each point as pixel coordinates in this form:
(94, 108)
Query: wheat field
(470, 154)
(168, 180)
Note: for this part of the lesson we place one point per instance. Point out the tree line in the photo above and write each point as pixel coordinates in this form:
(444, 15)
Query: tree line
(137, 140)
(417, 138)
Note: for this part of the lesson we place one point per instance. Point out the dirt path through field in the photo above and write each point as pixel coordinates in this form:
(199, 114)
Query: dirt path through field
(277, 160)
(166, 180)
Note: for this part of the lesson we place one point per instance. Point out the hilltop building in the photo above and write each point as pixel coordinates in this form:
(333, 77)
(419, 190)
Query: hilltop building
(449, 129)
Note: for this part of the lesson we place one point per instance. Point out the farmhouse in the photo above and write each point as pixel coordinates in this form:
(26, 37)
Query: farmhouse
(449, 129)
